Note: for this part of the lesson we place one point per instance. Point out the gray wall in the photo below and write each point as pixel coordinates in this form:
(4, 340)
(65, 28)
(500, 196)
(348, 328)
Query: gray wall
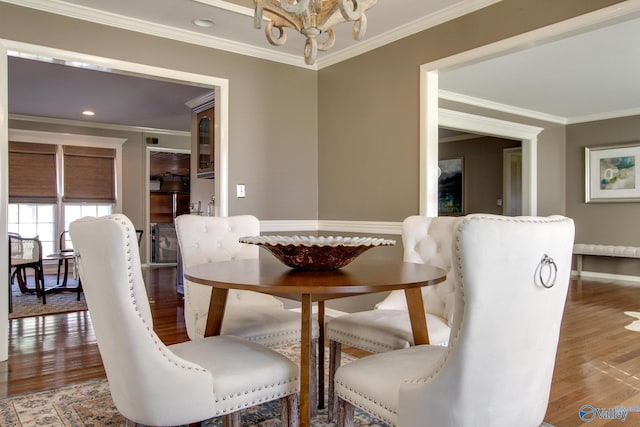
(482, 171)
(272, 146)
(605, 223)
(347, 146)
(369, 114)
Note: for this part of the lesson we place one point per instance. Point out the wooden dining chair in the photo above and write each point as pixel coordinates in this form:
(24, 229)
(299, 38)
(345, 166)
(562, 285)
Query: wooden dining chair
(158, 385)
(63, 249)
(512, 276)
(25, 253)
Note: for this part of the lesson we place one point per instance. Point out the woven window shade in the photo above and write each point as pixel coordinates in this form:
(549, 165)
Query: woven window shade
(89, 174)
(32, 173)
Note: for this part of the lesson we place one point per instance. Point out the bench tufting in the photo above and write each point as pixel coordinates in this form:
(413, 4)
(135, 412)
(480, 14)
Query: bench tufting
(581, 249)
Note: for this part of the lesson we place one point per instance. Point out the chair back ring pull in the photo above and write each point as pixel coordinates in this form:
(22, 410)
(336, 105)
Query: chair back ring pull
(547, 271)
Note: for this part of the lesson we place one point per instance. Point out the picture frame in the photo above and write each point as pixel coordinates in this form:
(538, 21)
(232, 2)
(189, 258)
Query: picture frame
(451, 186)
(611, 175)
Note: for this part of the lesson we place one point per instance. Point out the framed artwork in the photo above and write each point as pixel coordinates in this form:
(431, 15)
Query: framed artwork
(451, 186)
(611, 174)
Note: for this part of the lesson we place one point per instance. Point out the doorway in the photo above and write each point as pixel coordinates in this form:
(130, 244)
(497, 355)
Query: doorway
(222, 91)
(512, 181)
(168, 197)
(487, 182)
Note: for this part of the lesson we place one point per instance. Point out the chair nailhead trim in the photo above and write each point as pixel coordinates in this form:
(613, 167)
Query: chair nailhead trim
(292, 389)
(159, 346)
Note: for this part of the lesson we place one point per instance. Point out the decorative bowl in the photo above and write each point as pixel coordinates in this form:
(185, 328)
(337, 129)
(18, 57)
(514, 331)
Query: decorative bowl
(316, 253)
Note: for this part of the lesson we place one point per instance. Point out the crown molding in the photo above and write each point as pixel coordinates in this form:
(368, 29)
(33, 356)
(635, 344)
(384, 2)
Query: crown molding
(138, 25)
(164, 31)
(42, 137)
(79, 123)
(604, 116)
(201, 100)
(454, 11)
(497, 106)
(231, 7)
(505, 108)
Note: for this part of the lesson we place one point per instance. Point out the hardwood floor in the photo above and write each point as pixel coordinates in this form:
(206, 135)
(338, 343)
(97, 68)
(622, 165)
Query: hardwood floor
(598, 360)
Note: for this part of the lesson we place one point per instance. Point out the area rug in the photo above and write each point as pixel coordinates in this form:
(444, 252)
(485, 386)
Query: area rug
(26, 305)
(90, 404)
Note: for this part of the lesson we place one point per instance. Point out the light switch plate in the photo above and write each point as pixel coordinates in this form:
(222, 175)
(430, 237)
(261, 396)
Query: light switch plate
(240, 190)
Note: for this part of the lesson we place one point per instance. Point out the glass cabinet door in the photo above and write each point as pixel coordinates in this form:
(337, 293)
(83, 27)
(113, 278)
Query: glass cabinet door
(205, 144)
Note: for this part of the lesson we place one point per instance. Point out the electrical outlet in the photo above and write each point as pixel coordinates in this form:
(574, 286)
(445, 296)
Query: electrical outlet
(240, 190)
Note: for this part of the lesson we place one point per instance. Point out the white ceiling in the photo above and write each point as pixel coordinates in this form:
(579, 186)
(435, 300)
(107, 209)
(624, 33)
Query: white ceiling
(587, 76)
(234, 28)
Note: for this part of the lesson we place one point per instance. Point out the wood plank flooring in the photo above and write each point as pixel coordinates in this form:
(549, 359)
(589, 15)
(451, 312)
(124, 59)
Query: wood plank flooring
(598, 361)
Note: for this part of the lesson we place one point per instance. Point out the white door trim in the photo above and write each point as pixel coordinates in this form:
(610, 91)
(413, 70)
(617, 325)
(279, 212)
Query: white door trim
(8, 47)
(429, 90)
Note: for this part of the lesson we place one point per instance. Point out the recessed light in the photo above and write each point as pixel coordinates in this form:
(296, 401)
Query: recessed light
(88, 113)
(204, 23)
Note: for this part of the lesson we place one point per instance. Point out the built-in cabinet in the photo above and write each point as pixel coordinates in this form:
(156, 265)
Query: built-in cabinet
(205, 141)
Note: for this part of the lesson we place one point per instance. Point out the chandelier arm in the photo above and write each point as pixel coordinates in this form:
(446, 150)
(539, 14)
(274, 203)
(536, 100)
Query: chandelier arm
(359, 27)
(257, 16)
(296, 7)
(310, 50)
(275, 41)
(331, 40)
(350, 9)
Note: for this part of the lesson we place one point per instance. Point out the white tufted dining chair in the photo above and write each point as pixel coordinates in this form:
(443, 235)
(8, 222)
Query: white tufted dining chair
(426, 240)
(257, 317)
(512, 276)
(155, 384)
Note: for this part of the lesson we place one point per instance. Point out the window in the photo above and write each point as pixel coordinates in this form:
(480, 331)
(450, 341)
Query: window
(37, 207)
(35, 219)
(89, 174)
(74, 211)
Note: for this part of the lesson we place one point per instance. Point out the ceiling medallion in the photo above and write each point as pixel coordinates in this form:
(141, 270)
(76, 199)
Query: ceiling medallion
(312, 18)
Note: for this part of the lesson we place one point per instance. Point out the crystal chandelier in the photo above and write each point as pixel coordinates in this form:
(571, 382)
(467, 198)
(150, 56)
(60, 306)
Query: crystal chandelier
(312, 18)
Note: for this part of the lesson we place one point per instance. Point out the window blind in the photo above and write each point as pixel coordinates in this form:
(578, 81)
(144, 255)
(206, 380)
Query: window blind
(32, 173)
(89, 174)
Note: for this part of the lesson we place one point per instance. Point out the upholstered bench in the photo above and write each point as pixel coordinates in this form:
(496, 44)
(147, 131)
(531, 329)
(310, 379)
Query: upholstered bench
(581, 249)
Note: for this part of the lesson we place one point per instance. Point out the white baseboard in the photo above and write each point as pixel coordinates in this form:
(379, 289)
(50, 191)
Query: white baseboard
(607, 277)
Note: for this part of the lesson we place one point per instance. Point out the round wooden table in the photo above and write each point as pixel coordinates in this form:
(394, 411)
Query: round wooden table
(362, 276)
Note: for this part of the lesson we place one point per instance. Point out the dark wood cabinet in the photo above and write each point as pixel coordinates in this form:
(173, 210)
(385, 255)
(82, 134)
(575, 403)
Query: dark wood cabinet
(164, 207)
(205, 142)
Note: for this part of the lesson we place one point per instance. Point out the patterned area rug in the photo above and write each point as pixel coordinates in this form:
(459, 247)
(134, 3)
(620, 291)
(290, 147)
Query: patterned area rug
(26, 305)
(90, 404)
